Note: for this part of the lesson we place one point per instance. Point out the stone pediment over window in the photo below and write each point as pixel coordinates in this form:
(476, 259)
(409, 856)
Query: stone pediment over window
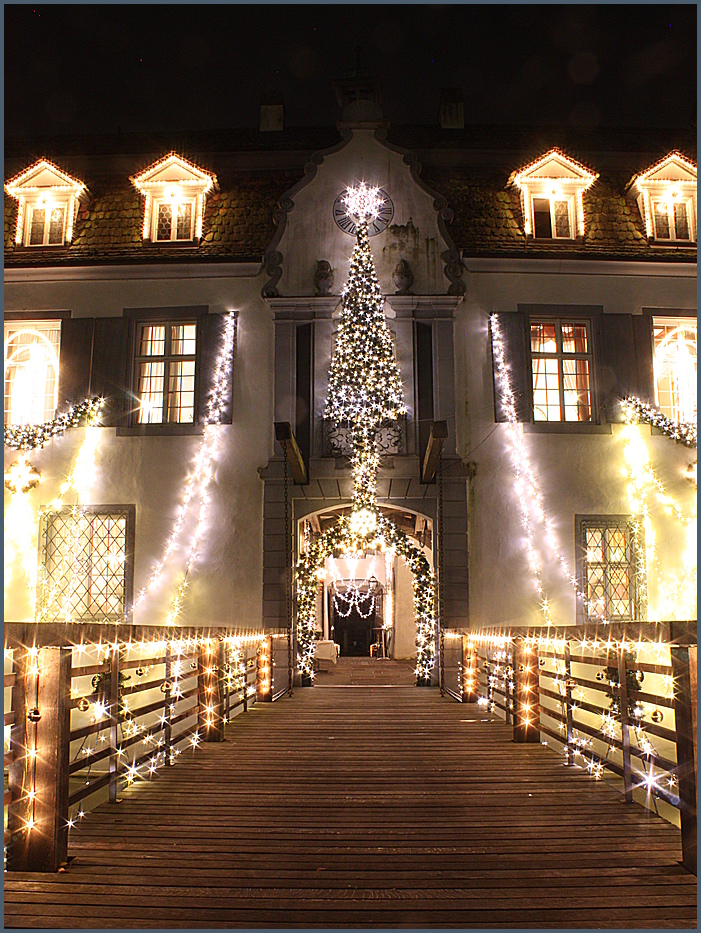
(551, 196)
(174, 197)
(48, 200)
(667, 200)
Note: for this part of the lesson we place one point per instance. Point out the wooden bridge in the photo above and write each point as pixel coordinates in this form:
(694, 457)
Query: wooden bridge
(364, 802)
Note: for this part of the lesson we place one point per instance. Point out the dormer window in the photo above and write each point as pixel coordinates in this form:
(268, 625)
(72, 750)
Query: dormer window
(175, 192)
(551, 196)
(667, 200)
(48, 201)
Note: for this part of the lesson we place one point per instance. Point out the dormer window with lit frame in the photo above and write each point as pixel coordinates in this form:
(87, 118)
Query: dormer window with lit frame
(667, 200)
(551, 196)
(174, 191)
(48, 201)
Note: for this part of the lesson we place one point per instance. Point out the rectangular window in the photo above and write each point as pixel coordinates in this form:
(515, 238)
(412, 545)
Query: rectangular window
(561, 366)
(174, 220)
(611, 552)
(46, 226)
(551, 219)
(165, 372)
(672, 219)
(86, 563)
(31, 371)
(675, 366)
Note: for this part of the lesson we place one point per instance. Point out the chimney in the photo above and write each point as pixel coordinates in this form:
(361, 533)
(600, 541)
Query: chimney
(272, 114)
(451, 111)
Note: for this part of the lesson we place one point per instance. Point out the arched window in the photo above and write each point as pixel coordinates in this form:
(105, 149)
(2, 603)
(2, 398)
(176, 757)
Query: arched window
(31, 371)
(675, 367)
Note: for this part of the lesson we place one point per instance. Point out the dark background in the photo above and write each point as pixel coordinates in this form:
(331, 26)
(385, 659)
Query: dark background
(92, 69)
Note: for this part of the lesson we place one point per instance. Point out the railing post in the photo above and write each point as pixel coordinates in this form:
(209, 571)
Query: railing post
(168, 710)
(625, 726)
(209, 718)
(38, 775)
(569, 716)
(685, 685)
(264, 670)
(441, 669)
(113, 713)
(526, 716)
(469, 671)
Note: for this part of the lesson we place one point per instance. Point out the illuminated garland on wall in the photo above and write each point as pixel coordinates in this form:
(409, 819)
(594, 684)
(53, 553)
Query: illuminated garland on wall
(636, 409)
(33, 436)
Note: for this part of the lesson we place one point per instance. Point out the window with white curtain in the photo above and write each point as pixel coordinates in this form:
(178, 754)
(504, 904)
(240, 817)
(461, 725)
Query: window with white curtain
(561, 368)
(31, 371)
(675, 366)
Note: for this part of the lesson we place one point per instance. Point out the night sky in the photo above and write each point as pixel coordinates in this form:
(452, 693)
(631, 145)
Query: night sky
(92, 69)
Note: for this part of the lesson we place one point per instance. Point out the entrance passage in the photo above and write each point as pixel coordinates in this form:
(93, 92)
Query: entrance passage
(355, 631)
(367, 672)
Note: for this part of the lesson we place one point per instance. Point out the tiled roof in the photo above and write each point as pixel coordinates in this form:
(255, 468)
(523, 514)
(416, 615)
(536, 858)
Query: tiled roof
(488, 218)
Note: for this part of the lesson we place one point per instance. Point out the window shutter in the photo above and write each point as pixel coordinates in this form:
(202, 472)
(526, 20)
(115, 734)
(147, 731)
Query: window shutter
(626, 361)
(110, 367)
(74, 361)
(211, 342)
(513, 334)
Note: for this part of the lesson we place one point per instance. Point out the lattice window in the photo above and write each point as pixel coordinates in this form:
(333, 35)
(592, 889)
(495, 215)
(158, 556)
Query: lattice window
(612, 571)
(561, 370)
(86, 564)
(165, 373)
(47, 226)
(31, 371)
(174, 220)
(672, 218)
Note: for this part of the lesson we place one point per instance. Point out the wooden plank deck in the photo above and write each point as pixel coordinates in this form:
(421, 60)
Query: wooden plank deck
(365, 807)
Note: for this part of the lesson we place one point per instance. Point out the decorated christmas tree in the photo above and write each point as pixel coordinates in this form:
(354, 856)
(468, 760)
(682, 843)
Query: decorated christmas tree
(365, 388)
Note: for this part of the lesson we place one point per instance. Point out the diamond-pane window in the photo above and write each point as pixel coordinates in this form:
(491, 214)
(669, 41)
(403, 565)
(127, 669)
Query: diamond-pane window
(165, 373)
(86, 564)
(561, 370)
(612, 552)
(174, 220)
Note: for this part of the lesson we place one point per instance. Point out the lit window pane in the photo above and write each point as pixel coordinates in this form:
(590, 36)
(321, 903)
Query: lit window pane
(610, 547)
(576, 385)
(675, 367)
(661, 220)
(574, 338)
(181, 392)
(562, 219)
(681, 222)
(183, 339)
(184, 224)
(31, 372)
(543, 338)
(36, 230)
(164, 224)
(56, 225)
(153, 340)
(541, 218)
(150, 392)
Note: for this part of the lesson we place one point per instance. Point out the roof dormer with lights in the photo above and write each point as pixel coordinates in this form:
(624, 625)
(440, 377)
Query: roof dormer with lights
(551, 196)
(174, 193)
(48, 201)
(667, 200)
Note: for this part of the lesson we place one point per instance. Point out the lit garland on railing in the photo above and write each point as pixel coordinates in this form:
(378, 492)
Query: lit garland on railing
(200, 475)
(681, 431)
(33, 436)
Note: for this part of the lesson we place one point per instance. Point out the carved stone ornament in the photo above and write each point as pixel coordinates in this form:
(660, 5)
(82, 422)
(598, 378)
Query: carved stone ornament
(390, 439)
(323, 278)
(403, 277)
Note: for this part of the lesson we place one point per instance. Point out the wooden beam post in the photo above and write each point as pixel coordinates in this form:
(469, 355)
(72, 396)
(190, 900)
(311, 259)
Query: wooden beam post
(38, 815)
(436, 439)
(625, 727)
(264, 671)
(526, 713)
(209, 718)
(470, 686)
(285, 436)
(685, 713)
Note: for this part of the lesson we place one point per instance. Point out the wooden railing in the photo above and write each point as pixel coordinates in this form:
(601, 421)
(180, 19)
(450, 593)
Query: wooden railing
(620, 701)
(97, 707)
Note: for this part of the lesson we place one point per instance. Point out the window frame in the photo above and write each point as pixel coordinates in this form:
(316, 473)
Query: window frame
(125, 511)
(47, 208)
(535, 317)
(636, 543)
(552, 198)
(154, 316)
(658, 318)
(158, 201)
(690, 219)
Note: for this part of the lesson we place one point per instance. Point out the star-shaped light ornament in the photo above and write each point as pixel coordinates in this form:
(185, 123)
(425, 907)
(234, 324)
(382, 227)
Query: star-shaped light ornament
(22, 476)
(363, 203)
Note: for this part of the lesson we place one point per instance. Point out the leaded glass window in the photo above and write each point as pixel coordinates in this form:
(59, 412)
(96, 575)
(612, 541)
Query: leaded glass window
(612, 569)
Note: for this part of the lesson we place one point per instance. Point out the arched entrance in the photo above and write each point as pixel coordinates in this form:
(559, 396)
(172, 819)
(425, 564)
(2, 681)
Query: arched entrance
(347, 573)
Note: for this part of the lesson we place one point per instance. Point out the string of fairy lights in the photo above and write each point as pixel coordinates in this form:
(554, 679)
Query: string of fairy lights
(364, 391)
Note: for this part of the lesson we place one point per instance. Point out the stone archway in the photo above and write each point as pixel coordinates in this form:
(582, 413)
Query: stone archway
(384, 535)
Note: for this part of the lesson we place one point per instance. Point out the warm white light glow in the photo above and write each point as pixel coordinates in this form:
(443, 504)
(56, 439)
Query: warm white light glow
(363, 203)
